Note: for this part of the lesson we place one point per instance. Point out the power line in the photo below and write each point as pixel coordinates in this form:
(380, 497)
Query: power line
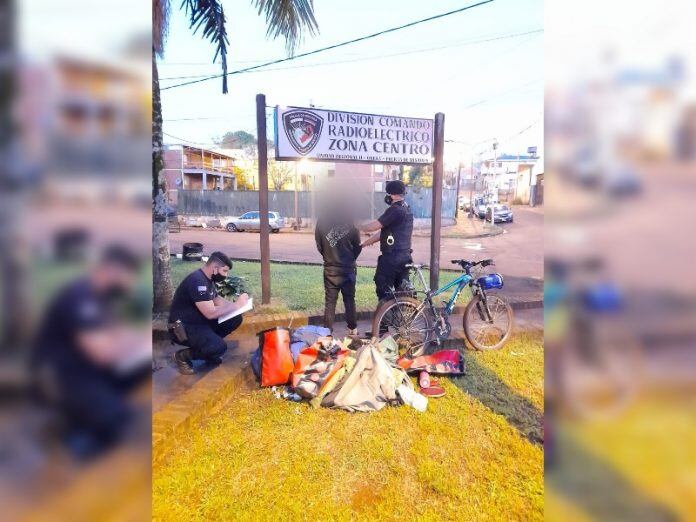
(378, 57)
(460, 142)
(186, 141)
(335, 46)
(502, 94)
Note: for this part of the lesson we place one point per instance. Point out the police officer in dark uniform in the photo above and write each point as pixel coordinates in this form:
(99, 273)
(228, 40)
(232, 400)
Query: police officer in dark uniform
(394, 229)
(195, 309)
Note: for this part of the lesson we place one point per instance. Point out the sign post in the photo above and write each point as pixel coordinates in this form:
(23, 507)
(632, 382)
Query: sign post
(436, 215)
(263, 199)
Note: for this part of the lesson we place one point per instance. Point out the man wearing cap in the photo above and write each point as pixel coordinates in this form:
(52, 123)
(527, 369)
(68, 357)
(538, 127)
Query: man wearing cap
(194, 314)
(393, 231)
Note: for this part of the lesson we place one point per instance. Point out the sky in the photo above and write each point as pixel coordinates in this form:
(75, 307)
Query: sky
(476, 67)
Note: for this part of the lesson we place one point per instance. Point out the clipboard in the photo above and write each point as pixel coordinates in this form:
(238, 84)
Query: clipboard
(237, 312)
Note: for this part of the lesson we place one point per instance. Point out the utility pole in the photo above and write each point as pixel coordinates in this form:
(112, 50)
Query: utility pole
(297, 223)
(459, 176)
(471, 187)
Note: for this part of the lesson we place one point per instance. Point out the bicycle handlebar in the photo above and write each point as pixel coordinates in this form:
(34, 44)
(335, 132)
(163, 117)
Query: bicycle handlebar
(467, 265)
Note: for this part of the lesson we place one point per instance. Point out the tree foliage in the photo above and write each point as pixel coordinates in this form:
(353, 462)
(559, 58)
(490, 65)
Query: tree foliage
(419, 177)
(279, 174)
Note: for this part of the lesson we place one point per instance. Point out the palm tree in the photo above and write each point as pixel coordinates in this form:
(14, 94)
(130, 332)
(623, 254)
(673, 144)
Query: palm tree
(287, 18)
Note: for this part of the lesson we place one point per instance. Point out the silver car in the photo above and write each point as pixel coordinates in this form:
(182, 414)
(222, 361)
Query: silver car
(501, 214)
(252, 221)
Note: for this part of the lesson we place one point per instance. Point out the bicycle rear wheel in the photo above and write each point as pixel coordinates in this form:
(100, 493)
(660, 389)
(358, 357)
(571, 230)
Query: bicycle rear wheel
(484, 333)
(408, 323)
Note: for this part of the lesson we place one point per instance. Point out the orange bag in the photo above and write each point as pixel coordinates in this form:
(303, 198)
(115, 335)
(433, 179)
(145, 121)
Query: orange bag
(276, 357)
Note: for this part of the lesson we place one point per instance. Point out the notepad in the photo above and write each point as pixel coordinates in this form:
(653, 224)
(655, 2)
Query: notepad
(237, 312)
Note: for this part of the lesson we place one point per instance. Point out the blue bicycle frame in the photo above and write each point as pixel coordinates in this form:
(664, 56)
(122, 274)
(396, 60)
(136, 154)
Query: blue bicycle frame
(460, 282)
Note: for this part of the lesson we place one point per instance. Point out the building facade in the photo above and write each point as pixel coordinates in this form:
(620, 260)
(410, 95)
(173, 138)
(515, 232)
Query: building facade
(504, 173)
(194, 168)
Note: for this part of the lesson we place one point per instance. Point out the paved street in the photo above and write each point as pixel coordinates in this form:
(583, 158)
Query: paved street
(518, 252)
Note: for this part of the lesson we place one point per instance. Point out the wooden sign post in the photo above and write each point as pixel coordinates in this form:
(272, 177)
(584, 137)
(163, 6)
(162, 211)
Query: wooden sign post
(436, 217)
(264, 230)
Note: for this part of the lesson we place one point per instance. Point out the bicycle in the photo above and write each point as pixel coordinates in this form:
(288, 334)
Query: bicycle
(416, 324)
(593, 356)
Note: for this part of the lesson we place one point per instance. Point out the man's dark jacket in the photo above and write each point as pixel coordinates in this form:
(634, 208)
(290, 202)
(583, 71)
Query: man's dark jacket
(339, 244)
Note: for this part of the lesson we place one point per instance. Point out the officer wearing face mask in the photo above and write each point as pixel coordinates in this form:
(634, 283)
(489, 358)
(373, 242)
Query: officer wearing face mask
(194, 312)
(394, 229)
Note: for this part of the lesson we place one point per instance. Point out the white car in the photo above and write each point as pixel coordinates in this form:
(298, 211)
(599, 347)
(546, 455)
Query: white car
(252, 221)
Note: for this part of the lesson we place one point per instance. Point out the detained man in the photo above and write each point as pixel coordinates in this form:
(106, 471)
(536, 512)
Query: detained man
(338, 242)
(193, 316)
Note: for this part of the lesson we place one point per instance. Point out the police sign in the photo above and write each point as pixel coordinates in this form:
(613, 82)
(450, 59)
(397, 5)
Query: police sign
(328, 135)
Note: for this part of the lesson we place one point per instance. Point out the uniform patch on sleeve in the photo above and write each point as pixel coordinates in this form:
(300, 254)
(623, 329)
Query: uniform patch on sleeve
(202, 288)
(89, 310)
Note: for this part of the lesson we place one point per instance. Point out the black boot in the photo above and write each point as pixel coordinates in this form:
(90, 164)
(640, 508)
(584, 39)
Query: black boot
(214, 361)
(183, 361)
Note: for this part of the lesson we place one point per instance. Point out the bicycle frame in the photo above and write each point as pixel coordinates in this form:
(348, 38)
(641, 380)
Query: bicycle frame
(460, 282)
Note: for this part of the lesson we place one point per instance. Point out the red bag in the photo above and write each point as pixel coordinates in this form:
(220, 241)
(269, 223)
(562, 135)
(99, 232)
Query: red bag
(276, 357)
(444, 362)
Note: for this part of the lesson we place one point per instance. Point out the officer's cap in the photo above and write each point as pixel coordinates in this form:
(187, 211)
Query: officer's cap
(396, 187)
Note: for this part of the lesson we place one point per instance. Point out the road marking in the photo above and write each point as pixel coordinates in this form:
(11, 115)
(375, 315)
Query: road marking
(473, 246)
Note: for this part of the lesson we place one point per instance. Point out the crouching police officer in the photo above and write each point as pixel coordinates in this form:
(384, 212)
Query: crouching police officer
(195, 309)
(394, 229)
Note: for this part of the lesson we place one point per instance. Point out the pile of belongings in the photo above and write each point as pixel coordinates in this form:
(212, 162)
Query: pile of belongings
(352, 375)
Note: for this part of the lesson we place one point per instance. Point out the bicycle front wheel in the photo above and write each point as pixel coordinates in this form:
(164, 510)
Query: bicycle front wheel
(407, 322)
(486, 332)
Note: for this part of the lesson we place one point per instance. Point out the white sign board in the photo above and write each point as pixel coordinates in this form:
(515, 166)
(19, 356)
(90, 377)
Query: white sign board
(327, 135)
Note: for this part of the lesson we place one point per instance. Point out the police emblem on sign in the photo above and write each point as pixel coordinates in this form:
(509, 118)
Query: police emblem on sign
(303, 129)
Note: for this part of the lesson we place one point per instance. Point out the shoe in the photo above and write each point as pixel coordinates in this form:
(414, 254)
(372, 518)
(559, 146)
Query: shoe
(182, 358)
(214, 361)
(352, 331)
(433, 392)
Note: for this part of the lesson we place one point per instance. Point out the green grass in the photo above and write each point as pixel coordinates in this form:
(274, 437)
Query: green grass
(468, 457)
(637, 466)
(298, 287)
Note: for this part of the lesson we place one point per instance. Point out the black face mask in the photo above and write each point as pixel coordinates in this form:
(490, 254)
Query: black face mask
(114, 292)
(388, 199)
(218, 278)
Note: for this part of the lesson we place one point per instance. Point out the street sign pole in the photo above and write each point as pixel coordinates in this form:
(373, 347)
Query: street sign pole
(459, 175)
(436, 216)
(263, 199)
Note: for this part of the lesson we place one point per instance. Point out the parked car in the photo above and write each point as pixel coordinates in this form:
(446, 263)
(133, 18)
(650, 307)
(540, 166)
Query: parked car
(252, 221)
(480, 207)
(501, 214)
(622, 182)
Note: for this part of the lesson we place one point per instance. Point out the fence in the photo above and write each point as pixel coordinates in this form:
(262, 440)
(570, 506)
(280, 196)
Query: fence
(234, 203)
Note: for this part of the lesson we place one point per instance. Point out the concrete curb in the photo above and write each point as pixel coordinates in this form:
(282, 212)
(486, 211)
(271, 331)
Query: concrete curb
(257, 323)
(417, 232)
(192, 407)
(454, 235)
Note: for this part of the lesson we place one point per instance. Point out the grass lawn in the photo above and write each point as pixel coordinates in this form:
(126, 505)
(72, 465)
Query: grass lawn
(473, 455)
(299, 287)
(638, 466)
